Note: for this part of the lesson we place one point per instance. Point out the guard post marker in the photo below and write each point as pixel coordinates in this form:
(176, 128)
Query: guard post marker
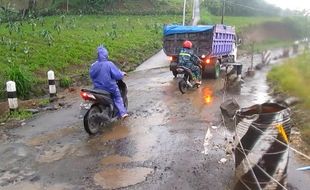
(239, 71)
(266, 57)
(51, 84)
(12, 96)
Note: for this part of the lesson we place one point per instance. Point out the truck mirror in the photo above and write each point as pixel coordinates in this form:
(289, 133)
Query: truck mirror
(239, 41)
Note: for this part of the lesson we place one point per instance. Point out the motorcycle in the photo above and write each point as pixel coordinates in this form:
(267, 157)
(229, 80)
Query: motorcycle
(98, 109)
(186, 78)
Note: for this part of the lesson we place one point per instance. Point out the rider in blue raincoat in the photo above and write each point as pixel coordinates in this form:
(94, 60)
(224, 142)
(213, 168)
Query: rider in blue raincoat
(104, 75)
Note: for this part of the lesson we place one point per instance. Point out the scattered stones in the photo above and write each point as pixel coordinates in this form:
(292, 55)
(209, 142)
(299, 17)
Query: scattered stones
(291, 101)
(33, 111)
(229, 150)
(250, 73)
(214, 127)
(259, 66)
(35, 178)
(51, 108)
(222, 161)
(61, 104)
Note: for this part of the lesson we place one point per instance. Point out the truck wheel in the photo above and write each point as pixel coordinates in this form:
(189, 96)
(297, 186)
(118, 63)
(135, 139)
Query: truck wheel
(213, 71)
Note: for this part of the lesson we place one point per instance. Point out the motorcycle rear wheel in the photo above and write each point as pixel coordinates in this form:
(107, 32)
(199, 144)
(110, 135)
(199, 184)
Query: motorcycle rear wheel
(92, 123)
(183, 86)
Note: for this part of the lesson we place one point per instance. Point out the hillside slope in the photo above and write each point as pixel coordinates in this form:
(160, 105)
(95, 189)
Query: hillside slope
(104, 6)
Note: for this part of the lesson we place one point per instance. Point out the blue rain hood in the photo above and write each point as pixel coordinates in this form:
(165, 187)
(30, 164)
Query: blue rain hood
(103, 53)
(104, 73)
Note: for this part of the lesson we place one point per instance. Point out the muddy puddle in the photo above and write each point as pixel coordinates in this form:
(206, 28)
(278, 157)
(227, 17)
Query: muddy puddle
(37, 186)
(56, 153)
(118, 178)
(115, 159)
(45, 138)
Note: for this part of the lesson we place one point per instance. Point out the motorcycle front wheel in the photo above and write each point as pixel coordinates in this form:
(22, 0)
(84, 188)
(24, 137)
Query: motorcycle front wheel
(94, 119)
(183, 86)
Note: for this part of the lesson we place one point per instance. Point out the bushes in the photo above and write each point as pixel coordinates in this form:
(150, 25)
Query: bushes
(22, 79)
(65, 82)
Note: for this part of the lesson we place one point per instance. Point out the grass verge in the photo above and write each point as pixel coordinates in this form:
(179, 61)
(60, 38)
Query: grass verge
(16, 115)
(292, 78)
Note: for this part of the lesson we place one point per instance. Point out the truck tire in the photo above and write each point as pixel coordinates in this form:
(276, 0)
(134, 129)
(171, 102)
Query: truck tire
(212, 70)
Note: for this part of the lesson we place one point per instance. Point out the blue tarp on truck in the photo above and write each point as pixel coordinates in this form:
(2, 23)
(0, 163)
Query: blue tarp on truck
(209, 40)
(177, 29)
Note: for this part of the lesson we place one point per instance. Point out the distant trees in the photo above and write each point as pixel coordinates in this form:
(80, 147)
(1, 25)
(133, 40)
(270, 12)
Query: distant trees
(242, 8)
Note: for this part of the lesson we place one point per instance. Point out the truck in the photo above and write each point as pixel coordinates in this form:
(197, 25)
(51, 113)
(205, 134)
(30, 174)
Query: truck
(215, 45)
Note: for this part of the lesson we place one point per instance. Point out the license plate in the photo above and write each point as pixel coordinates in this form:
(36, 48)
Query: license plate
(180, 75)
(84, 107)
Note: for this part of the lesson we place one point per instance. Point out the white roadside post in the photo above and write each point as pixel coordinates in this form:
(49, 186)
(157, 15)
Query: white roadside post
(51, 84)
(266, 57)
(12, 96)
(184, 10)
(194, 8)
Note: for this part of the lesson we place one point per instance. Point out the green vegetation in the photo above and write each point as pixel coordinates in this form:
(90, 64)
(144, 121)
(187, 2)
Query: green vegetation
(22, 78)
(264, 31)
(267, 44)
(244, 8)
(65, 82)
(67, 45)
(238, 21)
(293, 78)
(111, 7)
(43, 101)
(15, 115)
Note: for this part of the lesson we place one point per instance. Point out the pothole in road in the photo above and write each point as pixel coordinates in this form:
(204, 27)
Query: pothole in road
(36, 186)
(118, 178)
(56, 153)
(115, 159)
(45, 138)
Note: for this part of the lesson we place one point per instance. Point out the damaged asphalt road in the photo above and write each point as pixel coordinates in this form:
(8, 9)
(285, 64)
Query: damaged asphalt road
(170, 141)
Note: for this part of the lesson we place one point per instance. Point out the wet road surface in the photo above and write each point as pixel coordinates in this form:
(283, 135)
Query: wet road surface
(170, 141)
